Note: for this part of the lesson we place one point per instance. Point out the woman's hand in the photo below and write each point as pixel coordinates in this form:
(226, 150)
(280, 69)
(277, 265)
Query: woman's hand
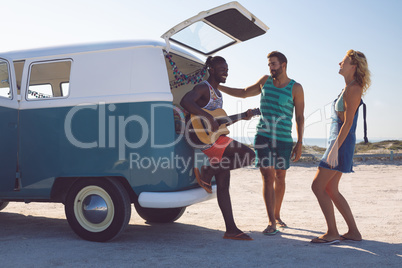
(249, 114)
(332, 159)
(212, 124)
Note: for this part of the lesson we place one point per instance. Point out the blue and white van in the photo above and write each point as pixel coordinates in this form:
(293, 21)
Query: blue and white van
(97, 127)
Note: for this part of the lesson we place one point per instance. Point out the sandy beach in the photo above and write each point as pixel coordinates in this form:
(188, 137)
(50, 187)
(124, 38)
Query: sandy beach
(38, 235)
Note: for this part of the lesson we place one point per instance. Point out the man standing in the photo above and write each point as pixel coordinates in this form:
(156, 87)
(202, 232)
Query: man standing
(225, 153)
(273, 143)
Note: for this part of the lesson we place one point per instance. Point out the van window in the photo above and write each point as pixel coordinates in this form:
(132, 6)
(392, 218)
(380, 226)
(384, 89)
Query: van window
(203, 38)
(65, 87)
(5, 91)
(49, 80)
(40, 91)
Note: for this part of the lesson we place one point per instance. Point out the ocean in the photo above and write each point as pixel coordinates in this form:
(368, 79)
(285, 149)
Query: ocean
(320, 142)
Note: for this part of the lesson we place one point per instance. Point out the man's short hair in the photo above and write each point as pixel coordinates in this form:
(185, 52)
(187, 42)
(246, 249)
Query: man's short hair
(281, 58)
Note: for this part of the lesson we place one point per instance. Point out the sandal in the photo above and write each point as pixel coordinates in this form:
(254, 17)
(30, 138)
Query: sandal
(323, 241)
(241, 236)
(206, 186)
(270, 231)
(281, 224)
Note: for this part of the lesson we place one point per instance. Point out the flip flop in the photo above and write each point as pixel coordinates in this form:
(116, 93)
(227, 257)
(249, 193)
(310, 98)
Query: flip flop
(241, 236)
(270, 231)
(323, 241)
(281, 224)
(343, 238)
(206, 186)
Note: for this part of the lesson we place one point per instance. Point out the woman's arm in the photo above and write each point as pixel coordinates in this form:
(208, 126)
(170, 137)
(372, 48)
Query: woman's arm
(352, 99)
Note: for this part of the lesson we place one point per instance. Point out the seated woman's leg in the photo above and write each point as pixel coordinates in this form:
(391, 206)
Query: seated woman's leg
(235, 155)
(238, 155)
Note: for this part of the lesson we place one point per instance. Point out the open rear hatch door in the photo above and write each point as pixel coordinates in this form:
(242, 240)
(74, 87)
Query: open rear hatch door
(215, 29)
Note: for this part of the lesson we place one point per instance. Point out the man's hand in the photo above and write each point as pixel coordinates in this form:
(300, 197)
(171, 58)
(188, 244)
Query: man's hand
(297, 150)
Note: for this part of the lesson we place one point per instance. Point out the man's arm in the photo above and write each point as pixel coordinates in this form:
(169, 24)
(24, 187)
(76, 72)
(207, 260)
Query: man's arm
(250, 91)
(298, 100)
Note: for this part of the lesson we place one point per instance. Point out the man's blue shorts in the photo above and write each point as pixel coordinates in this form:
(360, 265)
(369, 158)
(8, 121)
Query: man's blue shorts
(272, 153)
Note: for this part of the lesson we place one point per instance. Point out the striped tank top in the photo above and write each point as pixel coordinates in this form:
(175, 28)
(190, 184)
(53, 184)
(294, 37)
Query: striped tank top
(276, 111)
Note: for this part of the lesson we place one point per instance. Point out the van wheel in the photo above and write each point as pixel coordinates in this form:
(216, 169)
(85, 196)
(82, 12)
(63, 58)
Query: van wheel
(3, 205)
(98, 209)
(159, 215)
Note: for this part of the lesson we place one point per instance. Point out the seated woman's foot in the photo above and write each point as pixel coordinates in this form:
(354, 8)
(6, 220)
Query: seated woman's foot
(207, 173)
(202, 179)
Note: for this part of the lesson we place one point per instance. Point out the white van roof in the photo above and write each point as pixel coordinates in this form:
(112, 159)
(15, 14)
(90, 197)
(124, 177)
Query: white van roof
(206, 33)
(83, 48)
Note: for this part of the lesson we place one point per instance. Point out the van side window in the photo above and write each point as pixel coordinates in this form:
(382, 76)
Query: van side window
(49, 80)
(65, 88)
(5, 91)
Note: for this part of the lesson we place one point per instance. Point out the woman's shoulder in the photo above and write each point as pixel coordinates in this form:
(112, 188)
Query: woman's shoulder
(353, 94)
(354, 90)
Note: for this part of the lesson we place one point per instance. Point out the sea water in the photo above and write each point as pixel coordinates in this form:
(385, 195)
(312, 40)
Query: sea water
(320, 142)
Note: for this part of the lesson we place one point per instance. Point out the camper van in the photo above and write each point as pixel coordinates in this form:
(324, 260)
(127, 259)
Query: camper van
(98, 127)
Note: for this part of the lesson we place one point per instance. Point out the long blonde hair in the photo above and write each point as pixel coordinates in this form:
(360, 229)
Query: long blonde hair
(362, 75)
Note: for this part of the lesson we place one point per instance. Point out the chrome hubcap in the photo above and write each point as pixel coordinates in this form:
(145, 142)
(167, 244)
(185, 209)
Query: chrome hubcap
(94, 209)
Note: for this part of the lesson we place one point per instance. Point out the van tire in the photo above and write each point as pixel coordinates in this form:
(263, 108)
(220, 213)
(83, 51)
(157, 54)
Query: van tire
(159, 215)
(3, 205)
(84, 216)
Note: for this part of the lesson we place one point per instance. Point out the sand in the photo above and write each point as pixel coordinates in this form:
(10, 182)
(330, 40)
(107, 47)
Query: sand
(38, 235)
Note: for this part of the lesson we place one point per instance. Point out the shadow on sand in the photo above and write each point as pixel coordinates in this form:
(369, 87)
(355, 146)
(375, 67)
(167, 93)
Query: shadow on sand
(51, 242)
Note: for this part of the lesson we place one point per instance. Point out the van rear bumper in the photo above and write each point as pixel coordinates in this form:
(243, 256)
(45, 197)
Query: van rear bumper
(175, 199)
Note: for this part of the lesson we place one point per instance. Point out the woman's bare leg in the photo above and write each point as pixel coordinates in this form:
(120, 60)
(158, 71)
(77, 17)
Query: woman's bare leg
(342, 205)
(319, 187)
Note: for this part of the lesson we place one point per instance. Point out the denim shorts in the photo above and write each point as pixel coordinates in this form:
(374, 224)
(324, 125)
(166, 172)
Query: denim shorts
(272, 153)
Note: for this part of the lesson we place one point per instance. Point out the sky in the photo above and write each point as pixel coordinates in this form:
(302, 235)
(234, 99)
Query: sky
(313, 34)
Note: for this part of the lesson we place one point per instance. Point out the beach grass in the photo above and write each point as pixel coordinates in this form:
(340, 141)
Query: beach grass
(381, 146)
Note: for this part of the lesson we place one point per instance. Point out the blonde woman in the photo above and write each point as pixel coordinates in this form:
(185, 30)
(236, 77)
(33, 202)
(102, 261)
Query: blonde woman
(338, 158)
